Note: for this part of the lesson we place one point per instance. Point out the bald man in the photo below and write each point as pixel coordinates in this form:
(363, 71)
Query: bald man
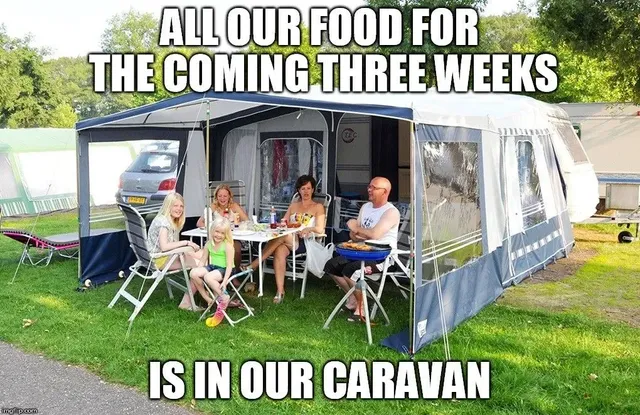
(378, 219)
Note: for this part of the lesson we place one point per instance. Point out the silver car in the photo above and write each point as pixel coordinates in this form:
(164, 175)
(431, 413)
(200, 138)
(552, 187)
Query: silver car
(151, 176)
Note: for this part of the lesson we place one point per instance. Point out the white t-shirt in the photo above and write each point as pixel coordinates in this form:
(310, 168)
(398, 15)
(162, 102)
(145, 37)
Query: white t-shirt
(370, 216)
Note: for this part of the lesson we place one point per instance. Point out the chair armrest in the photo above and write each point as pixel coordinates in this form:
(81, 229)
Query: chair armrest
(399, 252)
(181, 250)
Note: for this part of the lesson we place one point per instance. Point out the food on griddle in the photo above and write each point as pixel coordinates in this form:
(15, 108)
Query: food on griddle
(356, 246)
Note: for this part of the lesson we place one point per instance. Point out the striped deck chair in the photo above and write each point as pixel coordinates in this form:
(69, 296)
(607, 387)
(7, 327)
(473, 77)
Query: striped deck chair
(137, 234)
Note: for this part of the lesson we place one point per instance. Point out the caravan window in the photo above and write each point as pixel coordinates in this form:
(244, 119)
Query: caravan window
(571, 141)
(530, 195)
(8, 187)
(282, 161)
(452, 233)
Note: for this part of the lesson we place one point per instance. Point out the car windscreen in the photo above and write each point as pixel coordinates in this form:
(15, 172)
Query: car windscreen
(154, 163)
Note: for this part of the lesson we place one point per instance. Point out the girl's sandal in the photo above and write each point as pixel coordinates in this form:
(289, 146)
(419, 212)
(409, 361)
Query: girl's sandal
(278, 298)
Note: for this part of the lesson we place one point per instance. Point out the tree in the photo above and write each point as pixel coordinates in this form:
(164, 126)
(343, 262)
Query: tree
(428, 48)
(134, 32)
(581, 78)
(75, 76)
(604, 29)
(499, 34)
(131, 32)
(29, 95)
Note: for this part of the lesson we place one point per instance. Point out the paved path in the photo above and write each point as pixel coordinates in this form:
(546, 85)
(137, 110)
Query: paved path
(31, 381)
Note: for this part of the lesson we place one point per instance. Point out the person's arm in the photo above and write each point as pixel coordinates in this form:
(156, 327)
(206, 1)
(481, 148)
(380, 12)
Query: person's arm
(165, 245)
(200, 223)
(230, 252)
(204, 258)
(243, 215)
(353, 224)
(388, 220)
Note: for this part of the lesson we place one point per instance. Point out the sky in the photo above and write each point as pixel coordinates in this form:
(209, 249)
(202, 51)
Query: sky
(74, 27)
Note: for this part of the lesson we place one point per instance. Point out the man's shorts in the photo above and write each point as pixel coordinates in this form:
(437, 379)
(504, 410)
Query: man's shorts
(343, 267)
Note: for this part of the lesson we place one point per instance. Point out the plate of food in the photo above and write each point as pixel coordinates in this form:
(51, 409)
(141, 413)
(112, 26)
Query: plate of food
(242, 232)
(356, 246)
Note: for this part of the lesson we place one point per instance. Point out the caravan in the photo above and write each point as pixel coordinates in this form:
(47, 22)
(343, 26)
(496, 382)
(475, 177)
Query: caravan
(490, 183)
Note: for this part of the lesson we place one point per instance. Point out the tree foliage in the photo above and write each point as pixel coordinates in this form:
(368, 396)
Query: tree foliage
(499, 34)
(595, 43)
(604, 29)
(581, 78)
(29, 95)
(131, 32)
(134, 32)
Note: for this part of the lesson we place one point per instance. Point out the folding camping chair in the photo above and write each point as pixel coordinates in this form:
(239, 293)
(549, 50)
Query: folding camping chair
(397, 265)
(137, 234)
(248, 275)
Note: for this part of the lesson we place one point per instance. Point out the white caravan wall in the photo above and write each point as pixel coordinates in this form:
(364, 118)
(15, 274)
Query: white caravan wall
(610, 135)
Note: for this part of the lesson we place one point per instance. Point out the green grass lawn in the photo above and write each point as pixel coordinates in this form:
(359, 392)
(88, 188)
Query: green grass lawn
(544, 339)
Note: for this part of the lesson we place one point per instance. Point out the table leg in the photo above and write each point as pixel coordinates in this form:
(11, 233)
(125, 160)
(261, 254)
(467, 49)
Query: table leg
(378, 304)
(362, 286)
(260, 272)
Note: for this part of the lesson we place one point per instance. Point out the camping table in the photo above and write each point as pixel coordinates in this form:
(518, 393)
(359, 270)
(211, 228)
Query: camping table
(361, 285)
(259, 237)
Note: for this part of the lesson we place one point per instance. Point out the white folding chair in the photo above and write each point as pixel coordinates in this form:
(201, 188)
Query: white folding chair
(137, 234)
(397, 265)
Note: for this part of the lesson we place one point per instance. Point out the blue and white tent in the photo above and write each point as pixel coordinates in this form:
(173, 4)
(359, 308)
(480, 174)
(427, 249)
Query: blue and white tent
(494, 183)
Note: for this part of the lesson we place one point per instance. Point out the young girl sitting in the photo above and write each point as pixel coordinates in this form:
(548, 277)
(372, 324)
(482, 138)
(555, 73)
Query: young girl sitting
(220, 255)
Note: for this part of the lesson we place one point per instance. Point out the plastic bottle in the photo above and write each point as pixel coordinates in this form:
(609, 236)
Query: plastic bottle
(273, 222)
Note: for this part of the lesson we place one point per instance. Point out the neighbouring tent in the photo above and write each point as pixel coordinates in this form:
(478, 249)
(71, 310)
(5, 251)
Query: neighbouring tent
(38, 170)
(492, 181)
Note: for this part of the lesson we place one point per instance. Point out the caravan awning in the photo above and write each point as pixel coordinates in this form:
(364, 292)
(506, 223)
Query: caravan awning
(190, 109)
(469, 110)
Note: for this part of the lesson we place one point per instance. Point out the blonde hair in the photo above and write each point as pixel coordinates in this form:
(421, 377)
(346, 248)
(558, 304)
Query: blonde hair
(214, 202)
(165, 210)
(223, 225)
